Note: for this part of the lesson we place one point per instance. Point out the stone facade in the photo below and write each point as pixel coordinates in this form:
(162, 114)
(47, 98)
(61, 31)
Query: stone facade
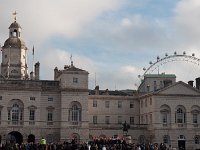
(160, 111)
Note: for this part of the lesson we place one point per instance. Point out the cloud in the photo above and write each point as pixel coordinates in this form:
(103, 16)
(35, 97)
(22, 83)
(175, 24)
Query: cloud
(186, 21)
(41, 19)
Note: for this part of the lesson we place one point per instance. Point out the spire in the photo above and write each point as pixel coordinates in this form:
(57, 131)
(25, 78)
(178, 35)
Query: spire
(71, 60)
(15, 16)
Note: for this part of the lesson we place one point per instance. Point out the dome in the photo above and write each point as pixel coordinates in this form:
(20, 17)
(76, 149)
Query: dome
(15, 25)
(15, 42)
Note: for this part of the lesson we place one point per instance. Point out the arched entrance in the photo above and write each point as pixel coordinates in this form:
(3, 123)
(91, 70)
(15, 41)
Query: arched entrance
(181, 142)
(31, 138)
(75, 137)
(14, 137)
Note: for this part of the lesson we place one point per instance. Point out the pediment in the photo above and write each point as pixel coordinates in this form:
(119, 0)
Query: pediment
(180, 88)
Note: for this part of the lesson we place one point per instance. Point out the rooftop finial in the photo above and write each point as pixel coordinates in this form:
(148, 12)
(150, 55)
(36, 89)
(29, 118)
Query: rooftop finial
(15, 15)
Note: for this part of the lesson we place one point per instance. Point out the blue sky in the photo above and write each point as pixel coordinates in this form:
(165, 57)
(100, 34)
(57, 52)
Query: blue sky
(113, 39)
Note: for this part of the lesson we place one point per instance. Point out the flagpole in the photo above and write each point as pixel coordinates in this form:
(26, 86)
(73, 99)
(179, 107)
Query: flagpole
(33, 61)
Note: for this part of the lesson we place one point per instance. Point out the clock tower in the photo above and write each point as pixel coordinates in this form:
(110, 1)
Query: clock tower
(14, 55)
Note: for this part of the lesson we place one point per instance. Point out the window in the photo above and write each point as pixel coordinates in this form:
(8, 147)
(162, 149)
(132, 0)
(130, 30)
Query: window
(197, 139)
(50, 98)
(119, 120)
(164, 118)
(132, 104)
(119, 104)
(132, 120)
(107, 104)
(5, 56)
(75, 80)
(166, 139)
(1, 98)
(75, 113)
(107, 120)
(180, 116)
(50, 116)
(32, 98)
(32, 115)
(15, 114)
(94, 103)
(195, 118)
(94, 119)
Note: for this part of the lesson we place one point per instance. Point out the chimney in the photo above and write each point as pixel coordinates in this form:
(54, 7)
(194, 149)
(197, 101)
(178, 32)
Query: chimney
(31, 75)
(37, 71)
(190, 83)
(197, 83)
(55, 73)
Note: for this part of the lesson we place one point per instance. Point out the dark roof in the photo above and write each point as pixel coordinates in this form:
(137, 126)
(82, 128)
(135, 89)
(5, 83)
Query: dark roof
(14, 42)
(15, 25)
(114, 93)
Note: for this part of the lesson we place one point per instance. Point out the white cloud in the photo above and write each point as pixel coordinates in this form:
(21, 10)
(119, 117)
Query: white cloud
(41, 19)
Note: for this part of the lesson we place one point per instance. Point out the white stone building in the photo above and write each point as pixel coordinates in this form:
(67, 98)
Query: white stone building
(161, 111)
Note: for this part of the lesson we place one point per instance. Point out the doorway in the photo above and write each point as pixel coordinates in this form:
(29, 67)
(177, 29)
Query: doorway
(14, 137)
(181, 142)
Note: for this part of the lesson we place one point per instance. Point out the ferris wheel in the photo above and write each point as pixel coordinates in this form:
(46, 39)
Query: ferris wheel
(169, 58)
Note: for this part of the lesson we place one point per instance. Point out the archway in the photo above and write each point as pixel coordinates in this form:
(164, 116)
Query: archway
(31, 138)
(14, 137)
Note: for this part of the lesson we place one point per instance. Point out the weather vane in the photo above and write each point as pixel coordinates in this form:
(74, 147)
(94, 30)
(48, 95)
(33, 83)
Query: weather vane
(15, 15)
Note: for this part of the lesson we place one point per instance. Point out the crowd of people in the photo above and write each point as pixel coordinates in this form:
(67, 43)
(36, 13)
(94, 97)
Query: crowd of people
(96, 144)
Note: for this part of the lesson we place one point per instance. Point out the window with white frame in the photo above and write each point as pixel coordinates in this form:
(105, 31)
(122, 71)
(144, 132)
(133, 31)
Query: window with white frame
(32, 115)
(50, 115)
(180, 116)
(75, 113)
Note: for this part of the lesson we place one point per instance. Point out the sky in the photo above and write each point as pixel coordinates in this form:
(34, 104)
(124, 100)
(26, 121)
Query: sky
(111, 39)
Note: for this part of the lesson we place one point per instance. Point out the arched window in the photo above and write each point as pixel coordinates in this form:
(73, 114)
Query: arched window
(15, 114)
(180, 116)
(75, 112)
(165, 114)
